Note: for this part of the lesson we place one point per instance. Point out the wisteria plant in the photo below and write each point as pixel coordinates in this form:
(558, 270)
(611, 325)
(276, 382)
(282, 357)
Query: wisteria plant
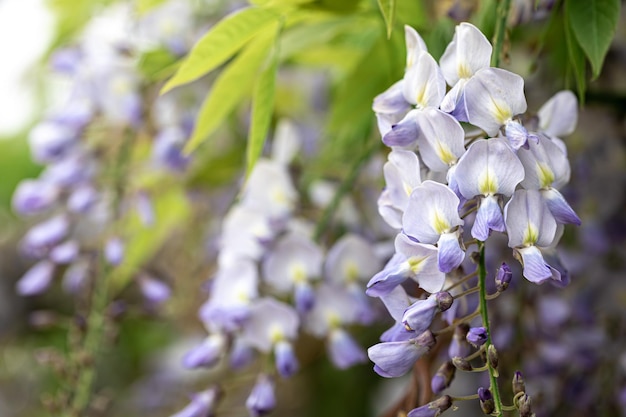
(286, 179)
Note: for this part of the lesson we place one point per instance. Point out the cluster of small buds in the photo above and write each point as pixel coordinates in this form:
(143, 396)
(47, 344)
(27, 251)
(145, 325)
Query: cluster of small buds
(444, 179)
(73, 193)
(273, 281)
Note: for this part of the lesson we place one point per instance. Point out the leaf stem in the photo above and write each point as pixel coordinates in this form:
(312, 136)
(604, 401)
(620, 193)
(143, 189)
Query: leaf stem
(482, 276)
(502, 15)
(344, 187)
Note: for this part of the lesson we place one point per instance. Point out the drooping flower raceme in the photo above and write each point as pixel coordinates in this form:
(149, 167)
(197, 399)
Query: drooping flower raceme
(493, 175)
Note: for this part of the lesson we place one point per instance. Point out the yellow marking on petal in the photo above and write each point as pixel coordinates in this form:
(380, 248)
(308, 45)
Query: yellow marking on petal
(463, 70)
(276, 334)
(487, 183)
(501, 111)
(242, 296)
(121, 86)
(545, 174)
(333, 319)
(416, 264)
(407, 188)
(351, 271)
(439, 223)
(531, 235)
(421, 98)
(298, 273)
(279, 196)
(444, 153)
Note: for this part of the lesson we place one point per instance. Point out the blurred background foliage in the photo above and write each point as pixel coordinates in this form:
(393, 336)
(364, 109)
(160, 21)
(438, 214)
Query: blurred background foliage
(320, 63)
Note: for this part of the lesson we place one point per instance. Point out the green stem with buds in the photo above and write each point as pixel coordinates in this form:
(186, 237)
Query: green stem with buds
(482, 276)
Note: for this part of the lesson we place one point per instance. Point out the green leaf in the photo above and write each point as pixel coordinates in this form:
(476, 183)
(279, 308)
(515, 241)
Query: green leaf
(262, 110)
(576, 59)
(157, 64)
(229, 88)
(594, 23)
(388, 9)
(171, 210)
(221, 42)
(144, 6)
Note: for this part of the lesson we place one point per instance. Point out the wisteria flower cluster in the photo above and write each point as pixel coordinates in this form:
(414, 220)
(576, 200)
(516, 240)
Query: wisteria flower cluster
(273, 282)
(464, 164)
(77, 194)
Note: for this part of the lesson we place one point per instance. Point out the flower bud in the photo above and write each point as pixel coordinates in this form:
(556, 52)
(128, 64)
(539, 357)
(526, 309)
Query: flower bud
(262, 399)
(477, 336)
(518, 383)
(503, 277)
(461, 364)
(524, 404)
(286, 361)
(492, 357)
(458, 345)
(486, 400)
(433, 408)
(443, 377)
(419, 316)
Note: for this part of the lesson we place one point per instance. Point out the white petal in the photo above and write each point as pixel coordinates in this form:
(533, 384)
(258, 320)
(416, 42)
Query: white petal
(351, 258)
(294, 259)
(414, 45)
(468, 52)
(286, 142)
(528, 220)
(432, 210)
(270, 321)
(440, 138)
(402, 175)
(559, 115)
(488, 167)
(424, 84)
(545, 165)
(492, 97)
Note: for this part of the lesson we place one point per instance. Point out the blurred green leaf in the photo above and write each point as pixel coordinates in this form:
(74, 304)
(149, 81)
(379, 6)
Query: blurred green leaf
(594, 23)
(144, 6)
(279, 2)
(440, 37)
(157, 64)
(576, 58)
(317, 30)
(15, 165)
(230, 86)
(485, 17)
(222, 41)
(171, 211)
(262, 109)
(388, 10)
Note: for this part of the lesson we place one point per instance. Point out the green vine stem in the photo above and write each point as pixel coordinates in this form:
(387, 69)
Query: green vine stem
(482, 275)
(85, 360)
(345, 186)
(502, 14)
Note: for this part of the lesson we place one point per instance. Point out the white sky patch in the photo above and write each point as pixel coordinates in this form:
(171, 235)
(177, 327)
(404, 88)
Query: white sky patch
(26, 28)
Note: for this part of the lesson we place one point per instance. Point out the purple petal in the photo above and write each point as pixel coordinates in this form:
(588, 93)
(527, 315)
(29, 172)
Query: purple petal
(489, 217)
(34, 196)
(286, 361)
(262, 399)
(393, 359)
(450, 254)
(558, 206)
(535, 269)
(402, 134)
(37, 279)
(343, 350)
(207, 354)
